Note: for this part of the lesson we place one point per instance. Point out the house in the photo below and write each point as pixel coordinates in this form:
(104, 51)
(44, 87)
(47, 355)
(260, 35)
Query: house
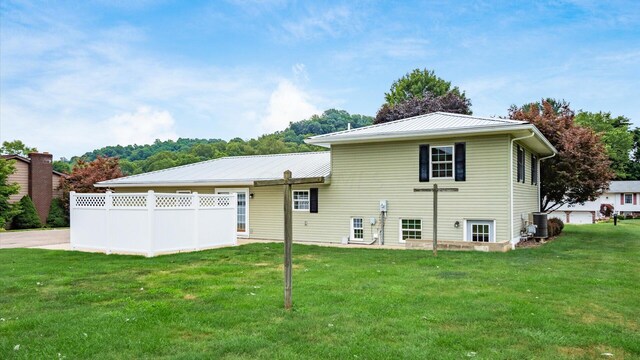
(36, 178)
(365, 190)
(624, 196)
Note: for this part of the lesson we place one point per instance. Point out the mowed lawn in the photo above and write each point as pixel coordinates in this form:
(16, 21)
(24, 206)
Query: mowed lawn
(576, 297)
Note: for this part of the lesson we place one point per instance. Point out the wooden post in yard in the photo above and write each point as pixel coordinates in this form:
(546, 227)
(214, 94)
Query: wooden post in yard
(288, 181)
(435, 219)
(435, 191)
(288, 239)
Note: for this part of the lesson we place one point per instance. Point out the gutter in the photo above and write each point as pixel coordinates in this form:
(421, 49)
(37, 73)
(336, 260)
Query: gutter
(326, 141)
(540, 183)
(327, 180)
(511, 185)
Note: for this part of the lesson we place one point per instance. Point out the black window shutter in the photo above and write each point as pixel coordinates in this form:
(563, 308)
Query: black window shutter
(424, 163)
(520, 164)
(461, 162)
(534, 173)
(524, 168)
(313, 200)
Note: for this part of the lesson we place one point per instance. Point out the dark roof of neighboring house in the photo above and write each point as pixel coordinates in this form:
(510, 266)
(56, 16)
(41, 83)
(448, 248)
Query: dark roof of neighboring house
(27, 160)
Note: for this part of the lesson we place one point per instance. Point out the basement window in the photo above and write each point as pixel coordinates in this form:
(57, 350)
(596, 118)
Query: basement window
(410, 229)
(480, 230)
(301, 200)
(357, 229)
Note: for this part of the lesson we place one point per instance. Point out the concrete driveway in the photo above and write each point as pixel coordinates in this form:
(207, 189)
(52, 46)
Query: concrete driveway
(44, 239)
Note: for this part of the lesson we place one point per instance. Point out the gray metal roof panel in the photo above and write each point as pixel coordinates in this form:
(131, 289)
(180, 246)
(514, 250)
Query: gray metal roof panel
(236, 169)
(432, 122)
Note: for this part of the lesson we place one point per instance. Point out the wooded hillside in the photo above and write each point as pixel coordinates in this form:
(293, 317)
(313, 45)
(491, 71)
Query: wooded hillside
(135, 159)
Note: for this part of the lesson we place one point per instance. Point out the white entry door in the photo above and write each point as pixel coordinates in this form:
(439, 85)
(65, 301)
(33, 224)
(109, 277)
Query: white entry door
(243, 208)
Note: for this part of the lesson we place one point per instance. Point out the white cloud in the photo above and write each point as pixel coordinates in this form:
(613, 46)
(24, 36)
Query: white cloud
(68, 92)
(287, 104)
(332, 22)
(143, 126)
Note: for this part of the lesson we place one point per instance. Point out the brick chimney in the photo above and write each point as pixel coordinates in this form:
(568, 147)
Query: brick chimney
(41, 182)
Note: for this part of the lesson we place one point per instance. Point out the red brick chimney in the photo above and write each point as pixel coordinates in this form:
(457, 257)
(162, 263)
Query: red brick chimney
(41, 182)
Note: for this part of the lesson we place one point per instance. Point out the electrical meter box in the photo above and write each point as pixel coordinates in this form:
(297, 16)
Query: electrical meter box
(383, 205)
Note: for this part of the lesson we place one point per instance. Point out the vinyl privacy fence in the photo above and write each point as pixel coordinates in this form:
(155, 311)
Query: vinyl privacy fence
(152, 223)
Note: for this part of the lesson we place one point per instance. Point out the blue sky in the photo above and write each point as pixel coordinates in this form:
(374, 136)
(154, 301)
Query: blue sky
(79, 75)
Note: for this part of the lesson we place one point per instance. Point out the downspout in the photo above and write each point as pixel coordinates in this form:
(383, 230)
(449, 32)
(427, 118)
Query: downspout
(511, 185)
(539, 183)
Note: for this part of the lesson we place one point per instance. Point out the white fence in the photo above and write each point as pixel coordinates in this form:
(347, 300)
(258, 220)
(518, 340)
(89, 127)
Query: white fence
(152, 223)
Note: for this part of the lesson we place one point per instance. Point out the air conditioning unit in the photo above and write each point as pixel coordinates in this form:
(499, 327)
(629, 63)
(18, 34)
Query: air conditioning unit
(540, 221)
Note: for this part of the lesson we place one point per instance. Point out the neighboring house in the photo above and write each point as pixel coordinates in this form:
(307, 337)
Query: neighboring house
(36, 178)
(493, 162)
(624, 196)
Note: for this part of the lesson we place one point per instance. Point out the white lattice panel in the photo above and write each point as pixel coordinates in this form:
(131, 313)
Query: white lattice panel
(90, 200)
(173, 201)
(129, 200)
(215, 201)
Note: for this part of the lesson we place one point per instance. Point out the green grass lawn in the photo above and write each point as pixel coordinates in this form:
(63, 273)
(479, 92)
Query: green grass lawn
(576, 297)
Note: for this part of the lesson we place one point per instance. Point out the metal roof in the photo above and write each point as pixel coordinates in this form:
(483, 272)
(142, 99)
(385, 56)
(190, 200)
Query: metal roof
(235, 170)
(624, 186)
(428, 122)
(437, 124)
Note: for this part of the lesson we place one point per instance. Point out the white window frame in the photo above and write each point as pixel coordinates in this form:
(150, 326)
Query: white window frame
(293, 200)
(468, 237)
(183, 191)
(247, 229)
(630, 197)
(453, 162)
(400, 229)
(352, 236)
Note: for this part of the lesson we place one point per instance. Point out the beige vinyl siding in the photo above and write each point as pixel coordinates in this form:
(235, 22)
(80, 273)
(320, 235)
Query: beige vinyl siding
(21, 177)
(57, 192)
(525, 195)
(364, 174)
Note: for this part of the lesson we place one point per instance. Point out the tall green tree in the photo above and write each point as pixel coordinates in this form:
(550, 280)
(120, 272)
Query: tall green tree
(16, 147)
(416, 84)
(616, 136)
(634, 168)
(581, 170)
(421, 92)
(7, 210)
(62, 166)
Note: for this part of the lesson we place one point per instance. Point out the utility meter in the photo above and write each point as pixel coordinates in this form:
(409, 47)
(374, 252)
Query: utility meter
(383, 205)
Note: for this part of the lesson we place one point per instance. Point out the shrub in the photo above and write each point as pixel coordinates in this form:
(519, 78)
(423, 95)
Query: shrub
(57, 214)
(554, 227)
(28, 216)
(606, 210)
(7, 212)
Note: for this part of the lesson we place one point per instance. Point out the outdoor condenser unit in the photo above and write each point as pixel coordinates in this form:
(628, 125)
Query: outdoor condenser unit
(540, 220)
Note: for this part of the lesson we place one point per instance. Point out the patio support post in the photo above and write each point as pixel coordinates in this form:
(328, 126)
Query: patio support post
(288, 239)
